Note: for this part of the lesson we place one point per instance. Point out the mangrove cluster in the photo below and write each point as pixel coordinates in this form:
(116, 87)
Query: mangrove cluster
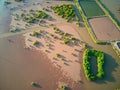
(66, 11)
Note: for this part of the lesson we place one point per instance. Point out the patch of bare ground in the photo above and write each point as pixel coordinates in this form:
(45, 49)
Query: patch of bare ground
(104, 29)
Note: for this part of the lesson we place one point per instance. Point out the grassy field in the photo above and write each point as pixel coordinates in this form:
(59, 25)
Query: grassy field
(91, 8)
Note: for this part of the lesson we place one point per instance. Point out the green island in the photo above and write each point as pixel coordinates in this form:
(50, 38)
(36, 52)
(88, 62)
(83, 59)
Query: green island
(88, 53)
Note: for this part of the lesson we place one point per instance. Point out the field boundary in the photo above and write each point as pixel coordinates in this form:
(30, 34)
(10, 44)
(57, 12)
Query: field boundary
(108, 13)
(87, 25)
(85, 19)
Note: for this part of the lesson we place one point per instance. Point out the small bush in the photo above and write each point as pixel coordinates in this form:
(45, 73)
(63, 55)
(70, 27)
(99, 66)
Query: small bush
(35, 33)
(36, 43)
(33, 83)
(57, 54)
(63, 87)
(66, 40)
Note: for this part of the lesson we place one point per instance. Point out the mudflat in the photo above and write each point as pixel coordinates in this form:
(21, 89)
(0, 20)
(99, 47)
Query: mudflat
(20, 66)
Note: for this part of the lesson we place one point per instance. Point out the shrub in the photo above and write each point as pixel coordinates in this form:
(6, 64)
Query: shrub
(63, 87)
(36, 43)
(31, 20)
(66, 40)
(35, 33)
(41, 15)
(33, 83)
(57, 54)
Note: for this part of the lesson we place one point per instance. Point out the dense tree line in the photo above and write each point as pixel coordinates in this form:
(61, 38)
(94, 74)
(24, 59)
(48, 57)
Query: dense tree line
(100, 62)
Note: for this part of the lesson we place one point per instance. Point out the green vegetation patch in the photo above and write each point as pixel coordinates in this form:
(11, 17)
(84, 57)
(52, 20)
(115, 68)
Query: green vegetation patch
(34, 16)
(66, 40)
(100, 62)
(63, 87)
(36, 43)
(91, 8)
(36, 34)
(66, 11)
(66, 37)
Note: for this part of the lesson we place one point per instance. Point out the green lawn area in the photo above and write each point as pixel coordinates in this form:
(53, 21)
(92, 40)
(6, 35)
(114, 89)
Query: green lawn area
(91, 8)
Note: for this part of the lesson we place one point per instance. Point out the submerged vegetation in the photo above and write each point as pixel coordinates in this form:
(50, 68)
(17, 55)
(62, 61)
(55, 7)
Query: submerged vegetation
(7, 3)
(66, 11)
(100, 62)
(19, 0)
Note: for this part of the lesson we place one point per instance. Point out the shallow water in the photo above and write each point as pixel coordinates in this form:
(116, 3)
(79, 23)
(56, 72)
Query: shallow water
(113, 5)
(4, 18)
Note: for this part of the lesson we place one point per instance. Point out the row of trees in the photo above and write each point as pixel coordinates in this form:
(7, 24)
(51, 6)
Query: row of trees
(100, 62)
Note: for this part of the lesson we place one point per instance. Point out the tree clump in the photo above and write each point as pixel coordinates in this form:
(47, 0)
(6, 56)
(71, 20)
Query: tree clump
(100, 62)
(66, 11)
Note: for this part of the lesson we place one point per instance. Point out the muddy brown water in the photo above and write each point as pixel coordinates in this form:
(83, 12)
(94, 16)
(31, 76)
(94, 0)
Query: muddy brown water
(20, 66)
